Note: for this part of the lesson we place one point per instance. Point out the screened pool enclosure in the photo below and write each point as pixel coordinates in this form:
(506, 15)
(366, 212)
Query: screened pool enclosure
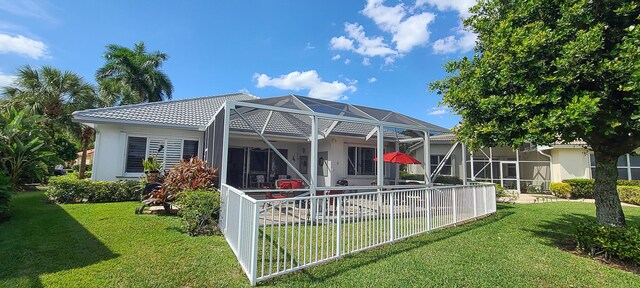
(300, 186)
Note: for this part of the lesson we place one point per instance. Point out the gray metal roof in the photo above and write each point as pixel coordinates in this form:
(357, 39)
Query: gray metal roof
(193, 113)
(196, 113)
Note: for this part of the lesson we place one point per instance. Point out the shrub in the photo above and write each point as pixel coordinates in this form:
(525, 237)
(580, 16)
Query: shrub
(408, 176)
(194, 174)
(581, 188)
(199, 211)
(560, 189)
(5, 195)
(76, 167)
(452, 180)
(70, 189)
(501, 191)
(622, 243)
(629, 194)
(628, 182)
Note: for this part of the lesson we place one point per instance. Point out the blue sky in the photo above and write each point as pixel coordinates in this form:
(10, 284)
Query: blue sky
(374, 53)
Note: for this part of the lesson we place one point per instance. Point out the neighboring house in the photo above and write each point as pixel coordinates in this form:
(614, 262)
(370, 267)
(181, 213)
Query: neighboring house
(89, 157)
(530, 165)
(186, 128)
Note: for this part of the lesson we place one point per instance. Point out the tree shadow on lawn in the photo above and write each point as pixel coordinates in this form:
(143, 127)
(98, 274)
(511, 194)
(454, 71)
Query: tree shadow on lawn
(323, 272)
(42, 238)
(560, 231)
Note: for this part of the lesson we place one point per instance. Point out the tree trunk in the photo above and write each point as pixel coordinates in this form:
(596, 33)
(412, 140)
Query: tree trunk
(86, 137)
(608, 207)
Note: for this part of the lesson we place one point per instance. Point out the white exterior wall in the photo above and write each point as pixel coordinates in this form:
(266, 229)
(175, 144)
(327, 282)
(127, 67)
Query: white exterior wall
(111, 144)
(569, 163)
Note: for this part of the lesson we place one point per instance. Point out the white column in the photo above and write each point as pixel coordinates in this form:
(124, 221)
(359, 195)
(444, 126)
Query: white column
(491, 162)
(380, 155)
(225, 143)
(427, 158)
(397, 176)
(518, 170)
(314, 156)
(473, 173)
(464, 164)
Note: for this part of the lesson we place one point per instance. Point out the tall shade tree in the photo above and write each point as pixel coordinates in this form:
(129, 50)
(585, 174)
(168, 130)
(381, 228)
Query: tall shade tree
(547, 71)
(134, 75)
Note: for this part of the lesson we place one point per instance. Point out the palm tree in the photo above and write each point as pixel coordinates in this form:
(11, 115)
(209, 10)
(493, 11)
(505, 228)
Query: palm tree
(50, 92)
(136, 71)
(55, 94)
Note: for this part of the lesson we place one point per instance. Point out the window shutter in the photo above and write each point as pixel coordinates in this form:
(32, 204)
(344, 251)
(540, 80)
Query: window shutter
(173, 153)
(154, 146)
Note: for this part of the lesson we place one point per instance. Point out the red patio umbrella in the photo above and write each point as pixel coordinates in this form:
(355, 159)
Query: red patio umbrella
(398, 157)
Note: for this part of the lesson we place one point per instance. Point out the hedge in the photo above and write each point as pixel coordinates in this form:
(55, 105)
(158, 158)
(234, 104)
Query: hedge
(629, 194)
(69, 189)
(560, 189)
(5, 196)
(199, 211)
(621, 243)
(452, 180)
(580, 188)
(408, 176)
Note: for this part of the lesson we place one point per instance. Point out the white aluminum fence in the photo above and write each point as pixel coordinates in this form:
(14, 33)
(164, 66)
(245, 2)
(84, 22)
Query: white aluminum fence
(277, 236)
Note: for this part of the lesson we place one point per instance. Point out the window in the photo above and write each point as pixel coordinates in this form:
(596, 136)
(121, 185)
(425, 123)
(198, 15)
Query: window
(136, 152)
(628, 166)
(361, 161)
(168, 151)
(189, 150)
(446, 169)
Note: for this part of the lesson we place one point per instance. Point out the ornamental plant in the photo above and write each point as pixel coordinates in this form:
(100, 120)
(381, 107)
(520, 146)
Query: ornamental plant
(193, 174)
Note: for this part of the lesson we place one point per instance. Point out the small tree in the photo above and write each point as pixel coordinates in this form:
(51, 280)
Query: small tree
(23, 150)
(546, 71)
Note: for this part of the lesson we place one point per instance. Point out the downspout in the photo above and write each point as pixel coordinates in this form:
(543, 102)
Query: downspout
(550, 163)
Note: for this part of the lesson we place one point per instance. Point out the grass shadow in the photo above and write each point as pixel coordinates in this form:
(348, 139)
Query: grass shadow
(321, 273)
(42, 238)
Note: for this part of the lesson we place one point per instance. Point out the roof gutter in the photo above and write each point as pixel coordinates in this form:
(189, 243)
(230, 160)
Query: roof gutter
(90, 120)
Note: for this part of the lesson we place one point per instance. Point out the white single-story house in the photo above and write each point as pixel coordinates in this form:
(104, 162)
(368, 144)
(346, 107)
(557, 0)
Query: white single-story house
(518, 169)
(126, 135)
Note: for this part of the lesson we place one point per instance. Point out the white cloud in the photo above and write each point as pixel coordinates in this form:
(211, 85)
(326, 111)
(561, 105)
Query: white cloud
(6, 80)
(460, 6)
(27, 8)
(406, 34)
(307, 80)
(341, 43)
(366, 46)
(22, 45)
(309, 46)
(436, 111)
(366, 62)
(463, 41)
(347, 61)
(407, 30)
(335, 57)
(413, 32)
(373, 79)
(244, 90)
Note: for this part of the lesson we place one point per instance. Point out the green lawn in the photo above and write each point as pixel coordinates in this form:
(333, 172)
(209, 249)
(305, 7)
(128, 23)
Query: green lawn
(98, 245)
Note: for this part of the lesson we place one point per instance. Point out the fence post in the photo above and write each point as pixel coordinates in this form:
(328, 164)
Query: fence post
(392, 226)
(475, 200)
(339, 227)
(484, 191)
(254, 244)
(239, 227)
(455, 209)
(429, 192)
